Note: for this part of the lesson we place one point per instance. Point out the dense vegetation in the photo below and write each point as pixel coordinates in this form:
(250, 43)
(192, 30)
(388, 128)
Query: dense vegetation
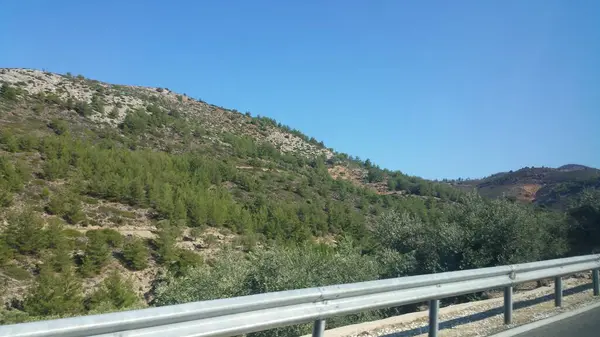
(73, 190)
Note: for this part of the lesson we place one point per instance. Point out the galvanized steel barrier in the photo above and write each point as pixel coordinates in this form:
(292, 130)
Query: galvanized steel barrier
(241, 315)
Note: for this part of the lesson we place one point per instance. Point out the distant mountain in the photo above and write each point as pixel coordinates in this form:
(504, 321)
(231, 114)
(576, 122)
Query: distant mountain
(552, 187)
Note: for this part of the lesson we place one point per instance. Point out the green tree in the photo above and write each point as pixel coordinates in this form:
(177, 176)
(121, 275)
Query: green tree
(83, 108)
(55, 294)
(115, 293)
(67, 205)
(136, 254)
(24, 232)
(5, 252)
(96, 255)
(114, 113)
(8, 92)
(55, 168)
(111, 237)
(97, 103)
(59, 247)
(9, 141)
(59, 126)
(165, 242)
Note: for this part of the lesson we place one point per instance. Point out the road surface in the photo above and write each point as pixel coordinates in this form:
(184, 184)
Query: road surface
(586, 324)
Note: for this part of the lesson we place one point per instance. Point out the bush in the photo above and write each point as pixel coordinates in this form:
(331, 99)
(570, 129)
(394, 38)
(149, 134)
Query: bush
(475, 234)
(225, 278)
(24, 233)
(10, 142)
(165, 242)
(83, 108)
(110, 236)
(8, 93)
(281, 268)
(97, 103)
(12, 178)
(27, 143)
(114, 293)
(59, 126)
(67, 205)
(96, 255)
(16, 273)
(114, 113)
(5, 252)
(55, 169)
(185, 260)
(136, 254)
(54, 294)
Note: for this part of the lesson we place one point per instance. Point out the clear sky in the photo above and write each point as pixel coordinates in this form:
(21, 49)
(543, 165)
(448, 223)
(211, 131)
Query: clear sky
(432, 88)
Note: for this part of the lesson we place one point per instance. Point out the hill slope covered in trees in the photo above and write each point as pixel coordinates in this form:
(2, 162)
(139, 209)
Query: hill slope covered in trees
(114, 197)
(556, 188)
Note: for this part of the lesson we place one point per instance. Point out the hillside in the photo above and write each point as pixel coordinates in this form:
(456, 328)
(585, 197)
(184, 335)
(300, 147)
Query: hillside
(125, 160)
(551, 187)
(114, 197)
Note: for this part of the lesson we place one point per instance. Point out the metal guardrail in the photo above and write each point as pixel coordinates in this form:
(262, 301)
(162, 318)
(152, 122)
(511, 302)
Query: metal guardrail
(246, 314)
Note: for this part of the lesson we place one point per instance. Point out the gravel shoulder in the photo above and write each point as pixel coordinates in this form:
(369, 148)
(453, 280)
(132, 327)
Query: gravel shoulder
(480, 318)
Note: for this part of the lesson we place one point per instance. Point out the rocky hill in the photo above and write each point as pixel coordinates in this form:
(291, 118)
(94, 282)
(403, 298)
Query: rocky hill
(551, 187)
(110, 104)
(115, 164)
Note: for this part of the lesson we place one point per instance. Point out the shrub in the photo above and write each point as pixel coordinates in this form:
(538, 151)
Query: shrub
(114, 293)
(114, 113)
(136, 254)
(54, 294)
(83, 108)
(110, 236)
(185, 260)
(16, 273)
(96, 255)
(8, 93)
(280, 268)
(5, 251)
(225, 278)
(9, 141)
(97, 103)
(59, 126)
(165, 242)
(24, 232)
(55, 169)
(67, 205)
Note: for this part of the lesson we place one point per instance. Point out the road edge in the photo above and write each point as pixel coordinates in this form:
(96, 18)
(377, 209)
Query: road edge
(537, 324)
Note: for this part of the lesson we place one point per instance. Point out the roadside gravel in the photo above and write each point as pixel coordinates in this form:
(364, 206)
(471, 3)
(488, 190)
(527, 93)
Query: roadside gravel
(480, 318)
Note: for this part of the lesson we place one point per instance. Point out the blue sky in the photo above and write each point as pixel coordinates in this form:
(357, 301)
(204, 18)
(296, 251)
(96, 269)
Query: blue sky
(432, 88)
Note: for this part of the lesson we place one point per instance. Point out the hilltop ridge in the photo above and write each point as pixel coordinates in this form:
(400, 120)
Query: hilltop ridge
(551, 187)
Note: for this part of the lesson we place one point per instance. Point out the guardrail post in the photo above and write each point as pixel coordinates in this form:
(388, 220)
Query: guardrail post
(558, 293)
(319, 328)
(596, 282)
(508, 305)
(434, 306)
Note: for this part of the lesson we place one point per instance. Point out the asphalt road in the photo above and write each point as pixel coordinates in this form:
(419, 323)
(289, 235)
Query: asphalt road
(586, 324)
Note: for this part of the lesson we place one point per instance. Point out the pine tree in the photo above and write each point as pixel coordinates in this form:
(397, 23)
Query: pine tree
(96, 255)
(114, 292)
(24, 233)
(55, 294)
(136, 254)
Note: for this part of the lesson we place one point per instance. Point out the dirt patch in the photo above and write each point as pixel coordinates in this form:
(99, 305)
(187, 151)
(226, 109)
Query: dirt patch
(355, 175)
(528, 192)
(358, 176)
